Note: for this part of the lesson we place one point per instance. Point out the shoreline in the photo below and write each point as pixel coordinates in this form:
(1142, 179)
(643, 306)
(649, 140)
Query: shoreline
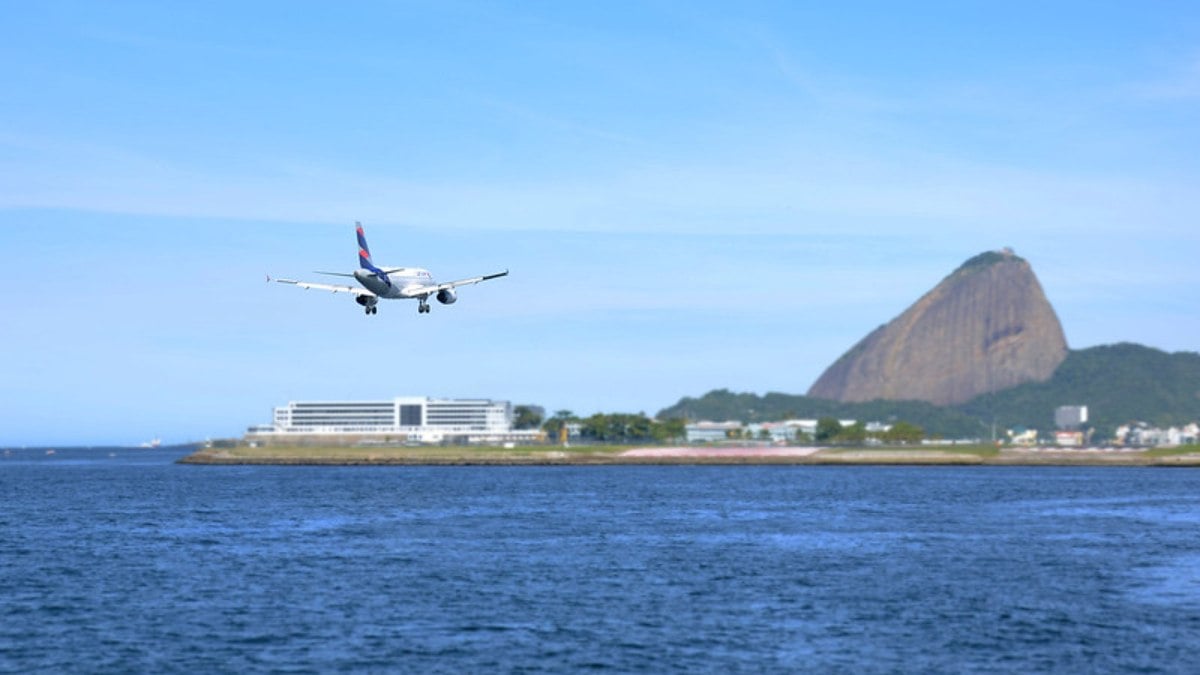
(731, 456)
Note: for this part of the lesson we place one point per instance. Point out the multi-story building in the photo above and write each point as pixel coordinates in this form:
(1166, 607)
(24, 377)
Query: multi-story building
(417, 419)
(1070, 417)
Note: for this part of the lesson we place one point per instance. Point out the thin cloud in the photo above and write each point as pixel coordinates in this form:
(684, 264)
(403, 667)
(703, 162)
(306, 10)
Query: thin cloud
(857, 193)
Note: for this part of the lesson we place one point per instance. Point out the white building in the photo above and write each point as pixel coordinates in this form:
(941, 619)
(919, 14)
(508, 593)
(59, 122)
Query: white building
(1068, 439)
(711, 432)
(778, 432)
(782, 432)
(419, 419)
(1070, 417)
(1142, 434)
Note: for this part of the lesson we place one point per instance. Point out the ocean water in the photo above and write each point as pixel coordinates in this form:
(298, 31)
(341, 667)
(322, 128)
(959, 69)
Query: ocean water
(130, 563)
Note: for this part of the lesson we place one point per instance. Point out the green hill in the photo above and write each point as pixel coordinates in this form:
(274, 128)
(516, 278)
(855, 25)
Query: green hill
(1118, 383)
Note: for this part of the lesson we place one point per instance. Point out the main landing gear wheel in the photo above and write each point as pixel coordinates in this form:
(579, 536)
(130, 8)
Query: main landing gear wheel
(370, 310)
(422, 308)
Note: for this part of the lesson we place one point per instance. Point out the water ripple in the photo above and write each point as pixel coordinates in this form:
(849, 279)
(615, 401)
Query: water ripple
(118, 565)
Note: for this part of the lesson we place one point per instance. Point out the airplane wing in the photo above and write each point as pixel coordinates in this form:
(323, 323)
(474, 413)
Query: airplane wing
(414, 291)
(333, 288)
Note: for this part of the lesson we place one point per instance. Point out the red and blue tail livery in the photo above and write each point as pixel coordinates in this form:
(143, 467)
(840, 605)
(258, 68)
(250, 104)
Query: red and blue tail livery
(364, 256)
(364, 251)
(391, 283)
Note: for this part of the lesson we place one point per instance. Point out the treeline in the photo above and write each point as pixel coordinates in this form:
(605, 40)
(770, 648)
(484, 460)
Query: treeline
(831, 431)
(626, 428)
(616, 428)
(620, 428)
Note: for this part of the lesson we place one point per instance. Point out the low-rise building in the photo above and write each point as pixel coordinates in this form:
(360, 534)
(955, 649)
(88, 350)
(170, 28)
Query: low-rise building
(1068, 439)
(711, 432)
(786, 431)
(1144, 435)
(776, 432)
(1023, 437)
(402, 419)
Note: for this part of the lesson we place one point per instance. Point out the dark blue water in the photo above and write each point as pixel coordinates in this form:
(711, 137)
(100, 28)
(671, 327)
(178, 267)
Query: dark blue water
(132, 563)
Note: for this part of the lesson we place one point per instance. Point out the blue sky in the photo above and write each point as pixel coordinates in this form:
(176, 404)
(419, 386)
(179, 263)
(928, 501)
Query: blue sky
(690, 195)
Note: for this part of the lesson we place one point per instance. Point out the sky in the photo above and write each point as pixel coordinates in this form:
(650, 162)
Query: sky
(689, 195)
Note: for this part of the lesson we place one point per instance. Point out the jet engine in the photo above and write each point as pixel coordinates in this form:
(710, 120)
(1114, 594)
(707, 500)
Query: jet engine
(447, 296)
(366, 300)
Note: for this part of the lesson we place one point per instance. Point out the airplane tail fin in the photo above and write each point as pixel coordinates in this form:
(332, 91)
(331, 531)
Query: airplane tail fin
(364, 253)
(364, 256)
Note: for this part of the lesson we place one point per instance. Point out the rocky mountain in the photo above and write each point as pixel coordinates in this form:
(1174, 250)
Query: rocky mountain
(986, 327)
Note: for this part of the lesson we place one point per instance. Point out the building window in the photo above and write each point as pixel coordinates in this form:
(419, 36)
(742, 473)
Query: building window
(410, 415)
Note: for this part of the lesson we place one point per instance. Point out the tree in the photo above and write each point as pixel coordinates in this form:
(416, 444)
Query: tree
(553, 426)
(827, 429)
(669, 430)
(594, 427)
(638, 427)
(903, 432)
(855, 434)
(630, 428)
(527, 417)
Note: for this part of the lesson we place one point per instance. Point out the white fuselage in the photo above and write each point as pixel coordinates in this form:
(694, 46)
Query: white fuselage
(402, 280)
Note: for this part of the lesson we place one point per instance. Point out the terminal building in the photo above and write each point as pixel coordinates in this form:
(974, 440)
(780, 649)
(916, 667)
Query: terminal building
(400, 420)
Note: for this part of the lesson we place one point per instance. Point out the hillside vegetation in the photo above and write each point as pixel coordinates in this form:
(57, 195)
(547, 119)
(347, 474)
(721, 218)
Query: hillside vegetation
(1119, 383)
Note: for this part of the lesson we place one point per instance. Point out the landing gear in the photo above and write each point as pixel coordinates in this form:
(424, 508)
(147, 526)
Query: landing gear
(368, 303)
(423, 308)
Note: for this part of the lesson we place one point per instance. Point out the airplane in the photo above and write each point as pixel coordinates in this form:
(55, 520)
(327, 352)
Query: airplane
(390, 283)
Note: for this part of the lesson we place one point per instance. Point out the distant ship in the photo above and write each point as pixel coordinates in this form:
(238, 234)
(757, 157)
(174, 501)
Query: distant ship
(152, 444)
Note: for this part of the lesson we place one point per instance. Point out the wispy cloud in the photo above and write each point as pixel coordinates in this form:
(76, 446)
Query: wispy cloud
(856, 193)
